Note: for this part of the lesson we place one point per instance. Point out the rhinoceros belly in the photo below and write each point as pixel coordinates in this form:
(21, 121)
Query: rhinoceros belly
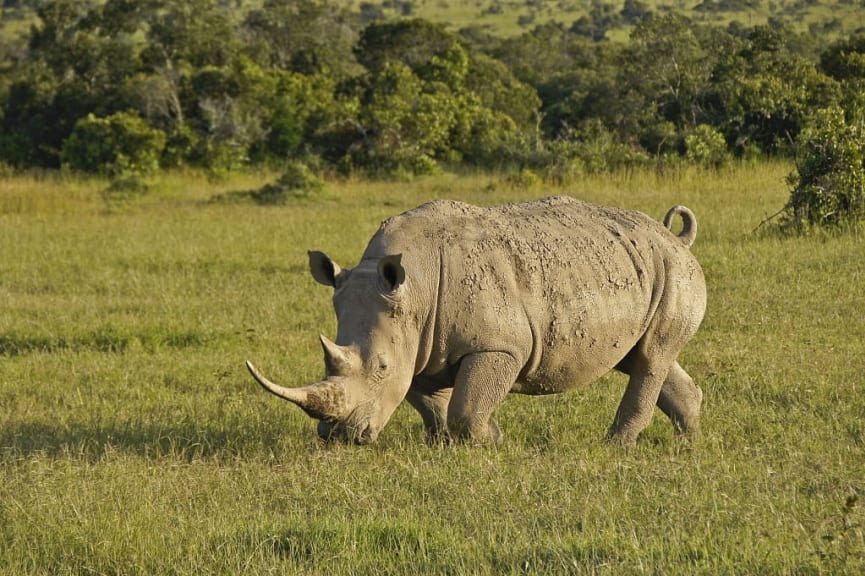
(575, 344)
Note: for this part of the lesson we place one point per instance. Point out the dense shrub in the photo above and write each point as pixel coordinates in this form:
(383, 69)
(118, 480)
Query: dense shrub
(593, 149)
(828, 185)
(118, 144)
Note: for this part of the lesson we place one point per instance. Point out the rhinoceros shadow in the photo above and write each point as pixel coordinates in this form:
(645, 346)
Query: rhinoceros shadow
(186, 441)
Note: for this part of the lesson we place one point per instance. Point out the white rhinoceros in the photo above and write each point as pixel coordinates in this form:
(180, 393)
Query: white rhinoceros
(453, 306)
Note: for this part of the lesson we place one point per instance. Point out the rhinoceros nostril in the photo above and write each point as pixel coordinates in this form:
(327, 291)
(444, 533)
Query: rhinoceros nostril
(330, 431)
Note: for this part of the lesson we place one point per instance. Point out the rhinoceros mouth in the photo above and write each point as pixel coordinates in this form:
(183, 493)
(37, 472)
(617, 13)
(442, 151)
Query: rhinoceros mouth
(339, 432)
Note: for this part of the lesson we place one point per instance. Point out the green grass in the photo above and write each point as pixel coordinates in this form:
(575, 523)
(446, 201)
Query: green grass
(132, 440)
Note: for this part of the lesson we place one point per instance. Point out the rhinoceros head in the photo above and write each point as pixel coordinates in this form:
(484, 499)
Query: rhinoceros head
(368, 370)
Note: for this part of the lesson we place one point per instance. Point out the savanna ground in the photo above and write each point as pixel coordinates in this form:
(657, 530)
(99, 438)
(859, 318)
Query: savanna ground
(132, 440)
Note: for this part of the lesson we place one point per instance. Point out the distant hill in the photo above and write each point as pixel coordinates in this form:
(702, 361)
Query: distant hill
(832, 18)
(503, 18)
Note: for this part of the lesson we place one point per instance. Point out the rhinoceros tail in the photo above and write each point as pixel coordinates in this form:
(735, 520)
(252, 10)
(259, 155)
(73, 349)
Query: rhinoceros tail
(689, 223)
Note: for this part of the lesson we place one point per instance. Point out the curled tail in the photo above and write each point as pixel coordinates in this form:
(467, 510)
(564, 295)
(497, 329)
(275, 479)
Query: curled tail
(689, 223)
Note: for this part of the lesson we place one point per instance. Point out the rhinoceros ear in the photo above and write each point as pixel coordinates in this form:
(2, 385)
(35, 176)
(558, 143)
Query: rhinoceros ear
(391, 271)
(323, 269)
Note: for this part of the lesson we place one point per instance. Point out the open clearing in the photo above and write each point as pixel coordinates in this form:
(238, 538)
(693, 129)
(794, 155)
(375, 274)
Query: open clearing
(132, 440)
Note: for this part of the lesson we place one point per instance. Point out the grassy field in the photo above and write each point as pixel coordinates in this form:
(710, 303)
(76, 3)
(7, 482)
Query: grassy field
(132, 440)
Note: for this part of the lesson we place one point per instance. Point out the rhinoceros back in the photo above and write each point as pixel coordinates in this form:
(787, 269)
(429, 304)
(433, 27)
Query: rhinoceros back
(567, 287)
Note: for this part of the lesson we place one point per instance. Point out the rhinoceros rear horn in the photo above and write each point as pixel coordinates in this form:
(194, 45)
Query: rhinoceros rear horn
(337, 359)
(322, 400)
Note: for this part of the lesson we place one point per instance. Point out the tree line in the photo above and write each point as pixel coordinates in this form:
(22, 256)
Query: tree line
(127, 86)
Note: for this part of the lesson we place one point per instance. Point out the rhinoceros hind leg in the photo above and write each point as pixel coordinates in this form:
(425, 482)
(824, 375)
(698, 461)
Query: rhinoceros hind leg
(482, 382)
(638, 404)
(680, 400)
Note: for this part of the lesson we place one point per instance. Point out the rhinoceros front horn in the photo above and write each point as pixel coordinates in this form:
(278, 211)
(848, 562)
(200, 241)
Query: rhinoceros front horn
(323, 400)
(296, 395)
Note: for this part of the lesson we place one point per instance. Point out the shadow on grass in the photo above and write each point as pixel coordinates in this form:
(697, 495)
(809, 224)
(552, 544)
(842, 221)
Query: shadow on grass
(108, 339)
(271, 195)
(276, 194)
(185, 441)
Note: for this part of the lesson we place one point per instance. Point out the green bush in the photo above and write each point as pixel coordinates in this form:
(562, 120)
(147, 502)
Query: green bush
(595, 149)
(119, 144)
(181, 146)
(487, 138)
(828, 184)
(706, 147)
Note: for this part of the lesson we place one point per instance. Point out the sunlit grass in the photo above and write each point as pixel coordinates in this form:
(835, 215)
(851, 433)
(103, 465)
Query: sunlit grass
(132, 440)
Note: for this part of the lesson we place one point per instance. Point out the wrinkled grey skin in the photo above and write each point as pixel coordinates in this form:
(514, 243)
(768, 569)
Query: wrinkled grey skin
(453, 306)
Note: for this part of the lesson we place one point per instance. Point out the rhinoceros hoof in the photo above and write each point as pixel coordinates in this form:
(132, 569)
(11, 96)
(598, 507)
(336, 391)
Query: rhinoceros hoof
(477, 434)
(621, 438)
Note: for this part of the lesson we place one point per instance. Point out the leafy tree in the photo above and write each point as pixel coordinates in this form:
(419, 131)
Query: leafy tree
(73, 68)
(667, 71)
(181, 37)
(235, 108)
(488, 138)
(406, 124)
(192, 32)
(54, 41)
(634, 10)
(573, 77)
(305, 114)
(426, 99)
(845, 59)
(544, 53)
(299, 80)
(601, 18)
(308, 36)
(32, 130)
(763, 91)
(498, 89)
(82, 45)
(412, 42)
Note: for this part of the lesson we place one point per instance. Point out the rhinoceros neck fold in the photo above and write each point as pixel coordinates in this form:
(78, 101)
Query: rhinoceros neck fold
(429, 329)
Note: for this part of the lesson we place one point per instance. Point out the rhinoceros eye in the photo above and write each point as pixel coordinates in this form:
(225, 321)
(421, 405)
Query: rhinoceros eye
(382, 362)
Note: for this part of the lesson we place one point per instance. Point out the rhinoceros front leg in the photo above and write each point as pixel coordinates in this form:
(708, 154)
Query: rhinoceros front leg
(680, 400)
(432, 404)
(482, 382)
